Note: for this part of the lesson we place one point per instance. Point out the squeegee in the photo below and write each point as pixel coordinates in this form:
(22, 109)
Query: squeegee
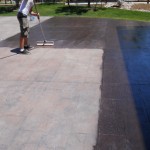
(44, 42)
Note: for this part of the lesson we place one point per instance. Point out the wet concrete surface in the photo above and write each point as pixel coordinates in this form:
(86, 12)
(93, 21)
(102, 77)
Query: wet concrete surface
(67, 33)
(124, 117)
(124, 111)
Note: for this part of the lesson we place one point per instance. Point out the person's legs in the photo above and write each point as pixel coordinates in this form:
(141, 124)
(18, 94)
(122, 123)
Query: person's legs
(23, 41)
(26, 45)
(24, 38)
(24, 28)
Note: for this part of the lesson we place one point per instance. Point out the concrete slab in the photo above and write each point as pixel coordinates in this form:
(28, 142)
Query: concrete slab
(49, 100)
(10, 27)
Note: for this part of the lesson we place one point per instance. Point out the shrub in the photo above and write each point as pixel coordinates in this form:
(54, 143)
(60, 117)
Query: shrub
(5, 9)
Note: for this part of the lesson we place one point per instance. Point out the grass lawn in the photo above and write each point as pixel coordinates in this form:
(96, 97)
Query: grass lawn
(83, 11)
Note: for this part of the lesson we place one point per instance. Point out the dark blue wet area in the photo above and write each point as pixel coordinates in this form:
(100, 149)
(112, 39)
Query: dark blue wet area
(134, 37)
(135, 49)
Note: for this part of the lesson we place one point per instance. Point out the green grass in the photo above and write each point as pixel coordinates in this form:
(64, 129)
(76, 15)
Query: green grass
(83, 11)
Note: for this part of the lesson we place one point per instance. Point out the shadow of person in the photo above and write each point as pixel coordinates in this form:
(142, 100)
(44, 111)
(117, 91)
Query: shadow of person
(15, 50)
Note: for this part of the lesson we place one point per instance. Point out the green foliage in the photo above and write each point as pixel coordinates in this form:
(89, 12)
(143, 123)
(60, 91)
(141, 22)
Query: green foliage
(7, 9)
(55, 9)
(72, 10)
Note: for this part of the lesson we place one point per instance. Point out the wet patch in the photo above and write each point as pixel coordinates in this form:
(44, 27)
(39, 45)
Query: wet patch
(66, 33)
(135, 49)
(124, 112)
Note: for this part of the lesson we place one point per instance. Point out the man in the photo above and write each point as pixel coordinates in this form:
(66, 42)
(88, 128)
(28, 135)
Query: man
(24, 10)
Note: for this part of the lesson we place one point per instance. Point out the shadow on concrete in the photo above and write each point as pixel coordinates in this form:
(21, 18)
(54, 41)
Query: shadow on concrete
(15, 50)
(135, 48)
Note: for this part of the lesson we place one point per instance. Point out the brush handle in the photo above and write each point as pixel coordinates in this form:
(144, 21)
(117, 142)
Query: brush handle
(39, 21)
(36, 10)
(42, 31)
(35, 6)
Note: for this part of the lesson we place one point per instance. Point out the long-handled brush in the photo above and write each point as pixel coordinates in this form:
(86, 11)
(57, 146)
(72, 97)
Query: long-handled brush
(45, 42)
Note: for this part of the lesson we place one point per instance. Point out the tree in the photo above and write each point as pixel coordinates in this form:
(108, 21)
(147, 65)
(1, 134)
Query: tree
(89, 3)
(17, 3)
(68, 2)
(120, 2)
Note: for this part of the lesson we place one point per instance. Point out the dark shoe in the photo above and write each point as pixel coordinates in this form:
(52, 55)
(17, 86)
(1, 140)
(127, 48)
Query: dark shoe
(26, 52)
(28, 47)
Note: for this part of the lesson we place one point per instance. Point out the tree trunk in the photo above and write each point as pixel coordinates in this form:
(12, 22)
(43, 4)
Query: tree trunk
(17, 3)
(89, 5)
(68, 1)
